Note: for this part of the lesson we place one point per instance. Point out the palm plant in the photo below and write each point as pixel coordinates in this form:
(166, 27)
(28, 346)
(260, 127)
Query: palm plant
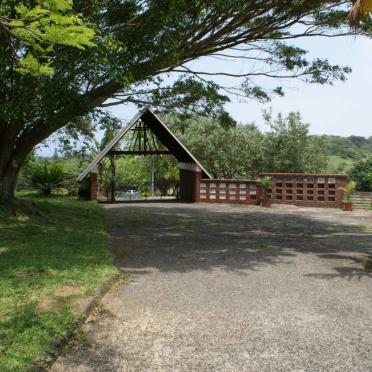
(45, 175)
(265, 184)
(348, 189)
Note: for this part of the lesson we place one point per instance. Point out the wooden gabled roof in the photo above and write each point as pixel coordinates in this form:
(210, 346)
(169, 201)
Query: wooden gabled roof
(166, 137)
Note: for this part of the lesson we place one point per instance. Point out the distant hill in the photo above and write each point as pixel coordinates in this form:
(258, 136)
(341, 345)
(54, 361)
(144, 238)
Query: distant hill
(344, 151)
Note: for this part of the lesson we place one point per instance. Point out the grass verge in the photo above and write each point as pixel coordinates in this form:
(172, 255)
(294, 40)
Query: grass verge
(50, 263)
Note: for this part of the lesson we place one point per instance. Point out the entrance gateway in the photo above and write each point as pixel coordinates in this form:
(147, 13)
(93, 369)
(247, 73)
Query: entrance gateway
(150, 136)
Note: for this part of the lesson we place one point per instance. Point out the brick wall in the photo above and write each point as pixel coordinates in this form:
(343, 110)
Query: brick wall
(229, 191)
(306, 189)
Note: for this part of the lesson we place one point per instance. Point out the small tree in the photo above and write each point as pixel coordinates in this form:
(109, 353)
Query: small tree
(45, 176)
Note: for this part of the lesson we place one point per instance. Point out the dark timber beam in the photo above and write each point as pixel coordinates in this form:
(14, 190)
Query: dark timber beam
(113, 176)
(138, 152)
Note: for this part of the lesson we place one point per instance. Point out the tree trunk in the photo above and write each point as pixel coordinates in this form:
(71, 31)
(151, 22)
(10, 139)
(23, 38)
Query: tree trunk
(8, 184)
(10, 165)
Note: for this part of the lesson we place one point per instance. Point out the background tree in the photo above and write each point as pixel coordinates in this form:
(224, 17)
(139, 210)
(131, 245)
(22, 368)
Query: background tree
(316, 155)
(288, 147)
(234, 152)
(141, 55)
(361, 173)
(243, 151)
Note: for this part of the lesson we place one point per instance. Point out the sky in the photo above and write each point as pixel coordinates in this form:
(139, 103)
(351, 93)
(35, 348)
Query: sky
(342, 109)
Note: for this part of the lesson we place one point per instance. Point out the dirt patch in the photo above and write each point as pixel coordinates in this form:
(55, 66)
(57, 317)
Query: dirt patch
(61, 297)
(50, 304)
(81, 304)
(69, 290)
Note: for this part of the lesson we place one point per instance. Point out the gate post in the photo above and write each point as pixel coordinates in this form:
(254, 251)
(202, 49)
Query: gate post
(93, 187)
(190, 175)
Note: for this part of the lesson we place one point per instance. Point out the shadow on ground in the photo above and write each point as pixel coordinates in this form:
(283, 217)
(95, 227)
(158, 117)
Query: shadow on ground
(170, 237)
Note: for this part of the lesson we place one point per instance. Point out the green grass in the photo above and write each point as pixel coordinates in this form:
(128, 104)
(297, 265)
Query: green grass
(48, 262)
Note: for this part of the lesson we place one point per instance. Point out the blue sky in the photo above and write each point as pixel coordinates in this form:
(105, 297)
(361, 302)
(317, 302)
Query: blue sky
(342, 109)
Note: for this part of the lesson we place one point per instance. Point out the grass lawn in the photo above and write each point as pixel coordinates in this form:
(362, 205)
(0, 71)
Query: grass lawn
(49, 265)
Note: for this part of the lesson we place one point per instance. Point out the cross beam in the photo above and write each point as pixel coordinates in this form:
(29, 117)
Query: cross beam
(140, 152)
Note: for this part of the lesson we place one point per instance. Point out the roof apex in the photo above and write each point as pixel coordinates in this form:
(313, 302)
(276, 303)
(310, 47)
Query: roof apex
(120, 134)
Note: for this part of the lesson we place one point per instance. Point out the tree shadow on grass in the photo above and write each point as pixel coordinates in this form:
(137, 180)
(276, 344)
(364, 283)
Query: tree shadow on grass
(65, 247)
(175, 239)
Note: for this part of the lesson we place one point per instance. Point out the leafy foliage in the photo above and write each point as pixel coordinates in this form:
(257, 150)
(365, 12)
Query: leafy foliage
(38, 29)
(345, 152)
(45, 175)
(244, 152)
(230, 152)
(134, 172)
(288, 147)
(361, 173)
(353, 147)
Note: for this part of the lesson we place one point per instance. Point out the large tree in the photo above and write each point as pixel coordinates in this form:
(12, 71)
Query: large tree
(288, 147)
(142, 55)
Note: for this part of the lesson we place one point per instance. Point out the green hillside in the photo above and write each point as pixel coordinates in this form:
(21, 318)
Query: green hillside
(345, 151)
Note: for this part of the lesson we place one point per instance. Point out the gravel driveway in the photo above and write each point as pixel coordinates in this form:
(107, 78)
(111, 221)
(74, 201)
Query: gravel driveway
(232, 288)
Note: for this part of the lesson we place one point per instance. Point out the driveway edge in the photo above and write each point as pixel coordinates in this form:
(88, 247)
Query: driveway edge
(58, 346)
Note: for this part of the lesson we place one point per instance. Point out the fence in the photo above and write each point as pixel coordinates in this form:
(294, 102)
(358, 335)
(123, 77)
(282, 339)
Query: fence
(303, 189)
(361, 200)
(306, 189)
(229, 191)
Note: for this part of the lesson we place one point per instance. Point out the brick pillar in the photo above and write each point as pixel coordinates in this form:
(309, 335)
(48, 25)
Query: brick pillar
(93, 187)
(259, 193)
(190, 175)
(198, 176)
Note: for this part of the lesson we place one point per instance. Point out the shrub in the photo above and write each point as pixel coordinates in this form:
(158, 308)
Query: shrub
(45, 175)
(361, 173)
(72, 190)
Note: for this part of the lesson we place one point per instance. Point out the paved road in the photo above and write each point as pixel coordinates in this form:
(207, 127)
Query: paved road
(232, 288)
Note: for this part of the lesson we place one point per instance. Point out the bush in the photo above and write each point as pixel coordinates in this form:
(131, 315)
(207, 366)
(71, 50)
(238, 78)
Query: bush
(72, 190)
(361, 173)
(45, 176)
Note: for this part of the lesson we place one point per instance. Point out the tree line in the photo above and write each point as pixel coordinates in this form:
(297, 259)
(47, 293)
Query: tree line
(243, 151)
(230, 151)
